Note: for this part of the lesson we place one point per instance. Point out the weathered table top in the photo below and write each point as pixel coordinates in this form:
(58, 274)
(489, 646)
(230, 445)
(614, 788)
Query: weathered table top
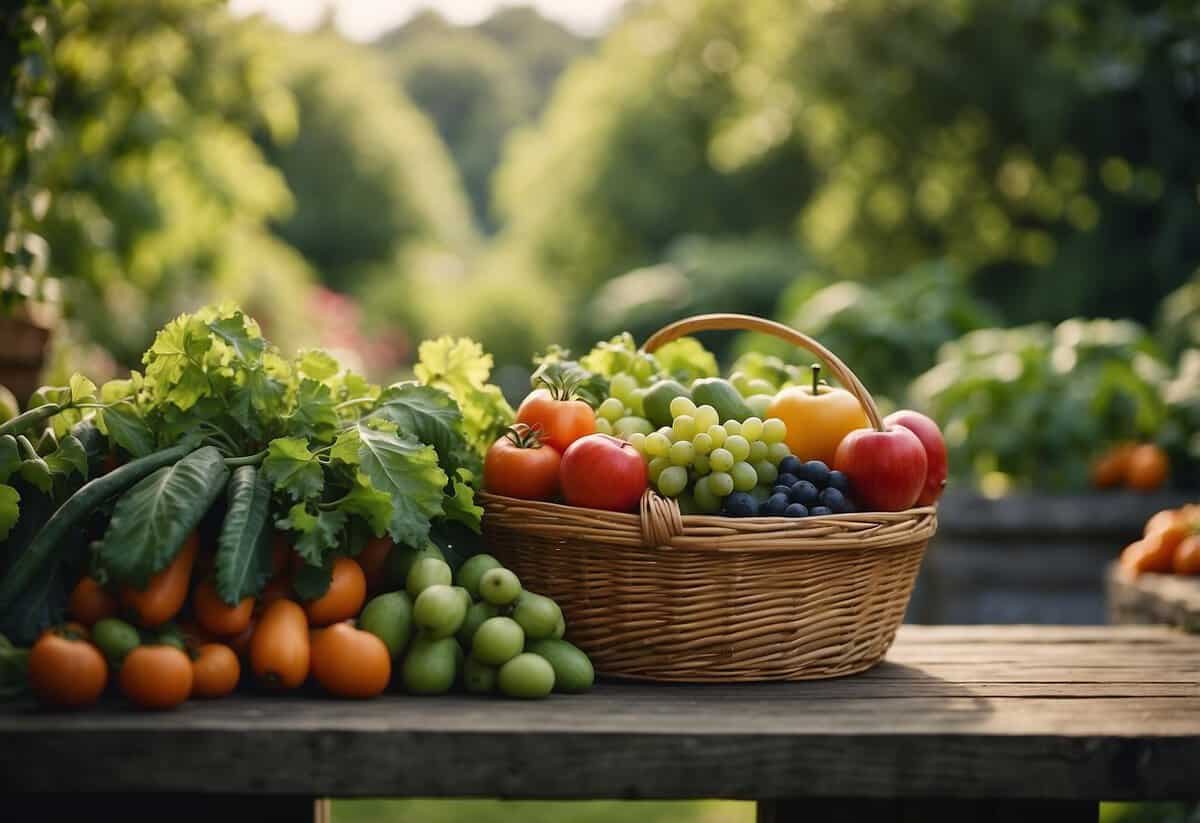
(1019, 712)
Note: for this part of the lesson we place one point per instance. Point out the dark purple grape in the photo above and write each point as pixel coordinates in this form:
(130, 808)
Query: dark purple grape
(804, 493)
(786, 479)
(795, 510)
(839, 481)
(741, 504)
(790, 465)
(819, 511)
(774, 505)
(834, 500)
(781, 489)
(815, 472)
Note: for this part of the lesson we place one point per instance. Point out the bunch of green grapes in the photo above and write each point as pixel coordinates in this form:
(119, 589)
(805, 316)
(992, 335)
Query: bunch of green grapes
(698, 453)
(622, 413)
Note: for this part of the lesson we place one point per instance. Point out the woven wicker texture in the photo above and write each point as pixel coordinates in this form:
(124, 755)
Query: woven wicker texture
(662, 596)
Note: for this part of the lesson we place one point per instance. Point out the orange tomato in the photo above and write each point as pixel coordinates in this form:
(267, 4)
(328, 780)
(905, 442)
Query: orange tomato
(156, 677)
(1111, 467)
(65, 670)
(345, 597)
(520, 465)
(373, 560)
(1150, 554)
(90, 603)
(215, 615)
(1148, 468)
(1187, 555)
(818, 417)
(279, 649)
(215, 671)
(166, 592)
(1162, 520)
(560, 422)
(349, 662)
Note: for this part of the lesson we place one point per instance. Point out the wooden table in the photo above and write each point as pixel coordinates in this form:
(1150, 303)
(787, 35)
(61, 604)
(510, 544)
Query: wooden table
(960, 723)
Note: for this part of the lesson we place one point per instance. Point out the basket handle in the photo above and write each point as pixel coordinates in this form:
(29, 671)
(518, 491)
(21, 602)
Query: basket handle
(745, 322)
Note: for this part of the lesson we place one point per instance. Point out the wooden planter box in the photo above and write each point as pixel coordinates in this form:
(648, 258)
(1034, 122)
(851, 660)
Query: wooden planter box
(1028, 558)
(24, 339)
(1156, 599)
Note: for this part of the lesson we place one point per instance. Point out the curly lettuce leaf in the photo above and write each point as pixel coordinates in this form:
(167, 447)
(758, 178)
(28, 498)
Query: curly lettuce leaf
(686, 360)
(292, 469)
(461, 368)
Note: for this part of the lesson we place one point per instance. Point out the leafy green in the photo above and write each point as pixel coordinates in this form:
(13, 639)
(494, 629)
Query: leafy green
(293, 469)
(10, 511)
(127, 429)
(243, 562)
(310, 582)
(316, 534)
(432, 416)
(152, 519)
(408, 472)
(10, 456)
(461, 368)
(68, 457)
(686, 360)
(459, 503)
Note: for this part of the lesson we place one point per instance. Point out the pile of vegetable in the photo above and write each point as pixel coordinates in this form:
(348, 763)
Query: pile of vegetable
(1170, 543)
(771, 440)
(229, 496)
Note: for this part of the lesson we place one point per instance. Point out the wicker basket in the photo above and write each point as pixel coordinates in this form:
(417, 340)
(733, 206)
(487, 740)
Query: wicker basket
(661, 596)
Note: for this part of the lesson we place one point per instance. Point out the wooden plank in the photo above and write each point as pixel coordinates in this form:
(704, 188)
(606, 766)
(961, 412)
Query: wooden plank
(156, 807)
(1164, 599)
(1084, 720)
(857, 810)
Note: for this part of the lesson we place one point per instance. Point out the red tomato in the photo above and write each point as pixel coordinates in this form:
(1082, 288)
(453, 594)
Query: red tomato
(560, 420)
(520, 465)
(603, 472)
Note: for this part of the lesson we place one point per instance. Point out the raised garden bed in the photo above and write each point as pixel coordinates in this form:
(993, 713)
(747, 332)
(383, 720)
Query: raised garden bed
(1165, 599)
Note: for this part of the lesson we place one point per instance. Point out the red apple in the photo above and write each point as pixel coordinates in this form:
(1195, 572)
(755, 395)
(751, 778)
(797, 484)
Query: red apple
(599, 471)
(886, 468)
(930, 436)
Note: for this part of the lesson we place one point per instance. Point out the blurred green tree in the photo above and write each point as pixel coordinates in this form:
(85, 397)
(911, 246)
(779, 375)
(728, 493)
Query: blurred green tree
(479, 82)
(155, 198)
(370, 178)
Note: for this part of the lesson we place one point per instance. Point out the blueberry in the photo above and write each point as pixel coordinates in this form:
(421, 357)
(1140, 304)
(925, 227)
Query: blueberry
(796, 510)
(815, 472)
(790, 465)
(786, 479)
(774, 505)
(803, 492)
(781, 489)
(839, 481)
(741, 504)
(834, 500)
(819, 511)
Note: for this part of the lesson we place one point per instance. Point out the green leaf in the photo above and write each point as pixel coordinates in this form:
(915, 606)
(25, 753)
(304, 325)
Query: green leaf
(461, 367)
(460, 506)
(293, 469)
(10, 456)
(430, 415)
(10, 510)
(315, 415)
(36, 472)
(372, 505)
(318, 365)
(233, 332)
(686, 360)
(82, 389)
(69, 457)
(408, 472)
(311, 582)
(243, 563)
(127, 429)
(316, 533)
(153, 518)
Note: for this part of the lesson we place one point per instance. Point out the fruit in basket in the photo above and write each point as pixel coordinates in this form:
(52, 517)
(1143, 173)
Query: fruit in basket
(279, 648)
(66, 670)
(215, 671)
(887, 469)
(520, 464)
(656, 402)
(389, 617)
(558, 416)
(157, 677)
(439, 611)
(499, 586)
(603, 472)
(350, 662)
(817, 417)
(1187, 556)
(1153, 553)
(937, 463)
(741, 504)
(573, 672)
(343, 599)
(527, 676)
(722, 396)
(1148, 468)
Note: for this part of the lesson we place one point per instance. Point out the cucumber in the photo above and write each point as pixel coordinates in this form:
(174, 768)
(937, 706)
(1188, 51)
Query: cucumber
(657, 401)
(722, 396)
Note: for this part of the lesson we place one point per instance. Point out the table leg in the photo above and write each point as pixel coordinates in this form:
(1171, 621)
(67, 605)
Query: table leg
(921, 810)
(165, 808)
